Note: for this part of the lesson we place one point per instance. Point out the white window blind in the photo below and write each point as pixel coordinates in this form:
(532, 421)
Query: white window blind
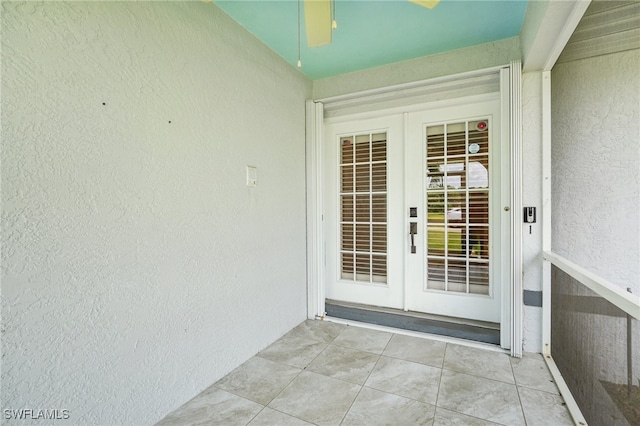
(457, 176)
(363, 207)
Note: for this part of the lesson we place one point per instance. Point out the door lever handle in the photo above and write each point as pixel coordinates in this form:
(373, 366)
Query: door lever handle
(413, 230)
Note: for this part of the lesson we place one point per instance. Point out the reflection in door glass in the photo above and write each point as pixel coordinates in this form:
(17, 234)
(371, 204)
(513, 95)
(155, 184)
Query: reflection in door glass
(457, 189)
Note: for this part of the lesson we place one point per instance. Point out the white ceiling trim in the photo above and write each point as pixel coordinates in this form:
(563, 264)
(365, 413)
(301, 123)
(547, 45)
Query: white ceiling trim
(558, 22)
(413, 92)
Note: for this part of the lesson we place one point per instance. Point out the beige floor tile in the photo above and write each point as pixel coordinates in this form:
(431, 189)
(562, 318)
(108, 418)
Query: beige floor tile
(213, 407)
(316, 399)
(315, 375)
(258, 379)
(269, 417)
(294, 351)
(363, 339)
(450, 418)
(373, 407)
(321, 331)
(478, 362)
(531, 371)
(490, 400)
(423, 351)
(405, 378)
(543, 408)
(346, 364)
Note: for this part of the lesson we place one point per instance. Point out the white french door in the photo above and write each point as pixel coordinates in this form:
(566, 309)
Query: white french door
(453, 178)
(441, 165)
(363, 221)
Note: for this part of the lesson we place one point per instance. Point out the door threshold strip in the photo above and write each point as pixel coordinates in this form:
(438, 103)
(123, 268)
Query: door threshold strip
(404, 321)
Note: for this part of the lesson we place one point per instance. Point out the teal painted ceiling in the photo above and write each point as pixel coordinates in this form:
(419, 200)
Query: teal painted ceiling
(377, 32)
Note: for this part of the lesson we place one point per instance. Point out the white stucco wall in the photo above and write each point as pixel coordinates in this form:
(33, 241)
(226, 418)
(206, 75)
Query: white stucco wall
(595, 165)
(137, 267)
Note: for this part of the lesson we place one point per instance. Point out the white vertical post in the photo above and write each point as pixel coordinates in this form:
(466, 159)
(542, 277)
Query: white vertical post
(315, 233)
(515, 113)
(505, 201)
(546, 211)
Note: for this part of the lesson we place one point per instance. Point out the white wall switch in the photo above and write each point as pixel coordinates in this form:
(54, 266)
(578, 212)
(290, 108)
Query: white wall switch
(252, 176)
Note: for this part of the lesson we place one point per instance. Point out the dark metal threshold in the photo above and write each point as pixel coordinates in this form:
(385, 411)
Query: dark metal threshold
(463, 329)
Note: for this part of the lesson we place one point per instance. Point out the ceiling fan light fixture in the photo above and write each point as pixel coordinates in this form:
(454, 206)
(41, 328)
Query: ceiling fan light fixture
(317, 18)
(429, 4)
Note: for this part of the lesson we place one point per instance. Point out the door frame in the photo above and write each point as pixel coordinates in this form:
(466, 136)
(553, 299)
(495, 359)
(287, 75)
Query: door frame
(510, 82)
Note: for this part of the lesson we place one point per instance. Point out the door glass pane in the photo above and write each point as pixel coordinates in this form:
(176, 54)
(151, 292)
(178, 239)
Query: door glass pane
(457, 186)
(379, 238)
(478, 242)
(346, 178)
(347, 237)
(363, 237)
(346, 150)
(456, 275)
(363, 148)
(478, 278)
(363, 207)
(346, 212)
(456, 140)
(379, 268)
(363, 180)
(379, 177)
(379, 208)
(435, 273)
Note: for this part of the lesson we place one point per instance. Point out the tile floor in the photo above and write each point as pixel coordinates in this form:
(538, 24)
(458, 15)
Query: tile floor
(326, 373)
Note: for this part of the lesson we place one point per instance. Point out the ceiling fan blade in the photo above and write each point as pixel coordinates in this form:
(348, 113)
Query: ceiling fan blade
(317, 18)
(429, 4)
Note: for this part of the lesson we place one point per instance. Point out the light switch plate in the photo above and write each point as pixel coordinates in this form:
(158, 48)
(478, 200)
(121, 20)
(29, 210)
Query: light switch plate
(252, 176)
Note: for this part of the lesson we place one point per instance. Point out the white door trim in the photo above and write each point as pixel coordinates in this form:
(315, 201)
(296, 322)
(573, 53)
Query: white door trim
(405, 162)
(315, 229)
(510, 88)
(515, 143)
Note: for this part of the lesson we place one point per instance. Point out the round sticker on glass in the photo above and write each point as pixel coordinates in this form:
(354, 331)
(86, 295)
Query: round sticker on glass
(474, 148)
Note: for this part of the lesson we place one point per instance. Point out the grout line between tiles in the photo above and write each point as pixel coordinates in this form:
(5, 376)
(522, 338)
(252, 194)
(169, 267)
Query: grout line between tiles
(351, 405)
(524, 416)
(468, 415)
(440, 381)
(479, 377)
(515, 382)
(257, 414)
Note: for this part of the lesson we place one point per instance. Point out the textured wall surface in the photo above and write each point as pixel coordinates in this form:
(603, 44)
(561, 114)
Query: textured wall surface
(462, 60)
(137, 267)
(532, 197)
(595, 165)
